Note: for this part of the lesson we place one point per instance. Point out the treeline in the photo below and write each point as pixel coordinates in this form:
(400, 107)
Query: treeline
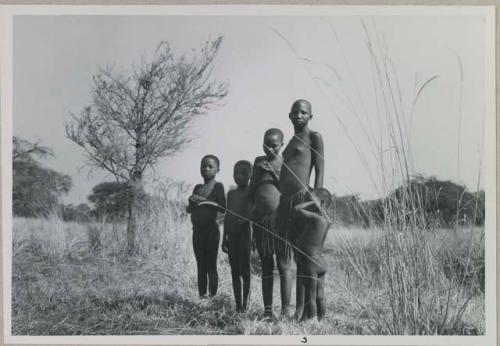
(441, 202)
(37, 192)
(109, 201)
(36, 189)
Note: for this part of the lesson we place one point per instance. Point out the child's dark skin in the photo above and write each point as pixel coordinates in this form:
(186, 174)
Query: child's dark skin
(266, 170)
(265, 195)
(303, 153)
(310, 244)
(206, 233)
(237, 239)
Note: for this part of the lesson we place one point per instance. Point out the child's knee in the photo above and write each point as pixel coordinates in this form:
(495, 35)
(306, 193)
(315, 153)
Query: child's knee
(202, 268)
(245, 276)
(284, 266)
(235, 272)
(267, 264)
(212, 268)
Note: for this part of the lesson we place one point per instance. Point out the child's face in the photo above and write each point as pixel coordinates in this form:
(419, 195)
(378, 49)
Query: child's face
(272, 145)
(242, 175)
(300, 114)
(209, 168)
(320, 198)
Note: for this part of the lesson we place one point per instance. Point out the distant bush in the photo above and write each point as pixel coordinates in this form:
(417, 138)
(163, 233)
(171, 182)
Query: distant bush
(79, 213)
(36, 190)
(111, 200)
(443, 201)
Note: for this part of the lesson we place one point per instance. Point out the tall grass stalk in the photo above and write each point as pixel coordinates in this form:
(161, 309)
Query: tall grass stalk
(427, 292)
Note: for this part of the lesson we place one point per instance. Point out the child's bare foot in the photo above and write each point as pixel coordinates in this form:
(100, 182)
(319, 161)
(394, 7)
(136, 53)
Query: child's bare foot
(297, 316)
(285, 313)
(269, 316)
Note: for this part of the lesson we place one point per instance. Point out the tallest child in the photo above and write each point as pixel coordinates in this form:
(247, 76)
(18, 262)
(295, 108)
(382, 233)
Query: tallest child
(303, 153)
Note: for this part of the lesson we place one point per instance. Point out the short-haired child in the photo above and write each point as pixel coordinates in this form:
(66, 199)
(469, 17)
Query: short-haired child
(265, 194)
(206, 201)
(303, 155)
(237, 238)
(315, 224)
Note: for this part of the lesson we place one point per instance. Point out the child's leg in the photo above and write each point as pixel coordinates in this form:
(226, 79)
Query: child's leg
(233, 252)
(307, 295)
(320, 298)
(300, 291)
(286, 281)
(244, 256)
(264, 242)
(267, 263)
(310, 283)
(200, 254)
(283, 252)
(211, 258)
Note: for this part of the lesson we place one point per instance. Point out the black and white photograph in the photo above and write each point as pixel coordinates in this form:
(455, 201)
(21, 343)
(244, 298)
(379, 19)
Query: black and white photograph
(217, 174)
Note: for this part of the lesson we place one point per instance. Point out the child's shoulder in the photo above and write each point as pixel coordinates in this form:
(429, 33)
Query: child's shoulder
(315, 138)
(314, 135)
(232, 196)
(234, 192)
(219, 187)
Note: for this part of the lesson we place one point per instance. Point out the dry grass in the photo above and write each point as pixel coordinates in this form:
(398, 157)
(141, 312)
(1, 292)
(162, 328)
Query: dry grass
(63, 285)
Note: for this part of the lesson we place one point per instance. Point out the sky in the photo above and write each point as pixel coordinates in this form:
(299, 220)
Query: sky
(268, 63)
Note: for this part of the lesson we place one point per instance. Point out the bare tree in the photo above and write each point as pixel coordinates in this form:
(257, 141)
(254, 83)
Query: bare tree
(140, 117)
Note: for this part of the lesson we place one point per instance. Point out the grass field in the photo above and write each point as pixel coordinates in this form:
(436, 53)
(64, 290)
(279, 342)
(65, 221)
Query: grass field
(65, 283)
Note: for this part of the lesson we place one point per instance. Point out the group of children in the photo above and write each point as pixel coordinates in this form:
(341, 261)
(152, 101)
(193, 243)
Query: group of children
(272, 210)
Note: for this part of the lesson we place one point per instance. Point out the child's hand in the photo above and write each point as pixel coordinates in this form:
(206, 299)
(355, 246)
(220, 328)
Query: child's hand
(265, 165)
(196, 199)
(224, 246)
(316, 200)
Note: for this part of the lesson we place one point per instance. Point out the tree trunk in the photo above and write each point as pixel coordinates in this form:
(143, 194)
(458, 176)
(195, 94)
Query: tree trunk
(133, 206)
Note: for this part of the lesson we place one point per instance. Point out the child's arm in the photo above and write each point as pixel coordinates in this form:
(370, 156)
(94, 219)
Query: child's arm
(317, 157)
(191, 201)
(251, 185)
(304, 209)
(221, 198)
(225, 233)
(253, 179)
(274, 175)
(269, 168)
(254, 243)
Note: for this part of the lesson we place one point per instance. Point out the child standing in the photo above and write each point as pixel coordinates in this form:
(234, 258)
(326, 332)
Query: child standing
(207, 199)
(265, 195)
(302, 156)
(310, 242)
(237, 238)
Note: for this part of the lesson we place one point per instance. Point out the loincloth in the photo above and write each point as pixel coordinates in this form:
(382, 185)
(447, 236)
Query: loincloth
(264, 237)
(286, 225)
